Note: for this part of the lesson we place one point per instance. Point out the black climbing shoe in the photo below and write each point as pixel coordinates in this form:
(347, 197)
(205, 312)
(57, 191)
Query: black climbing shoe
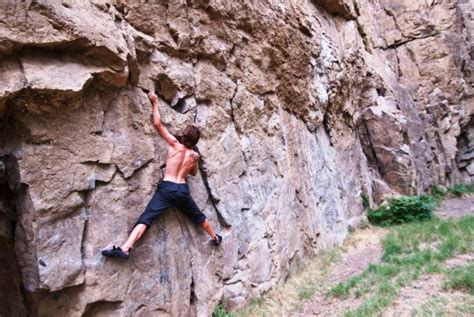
(217, 240)
(115, 253)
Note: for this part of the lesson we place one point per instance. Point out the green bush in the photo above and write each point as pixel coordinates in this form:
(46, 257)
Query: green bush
(403, 209)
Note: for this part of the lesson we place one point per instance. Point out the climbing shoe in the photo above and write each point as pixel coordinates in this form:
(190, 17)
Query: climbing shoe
(115, 253)
(217, 240)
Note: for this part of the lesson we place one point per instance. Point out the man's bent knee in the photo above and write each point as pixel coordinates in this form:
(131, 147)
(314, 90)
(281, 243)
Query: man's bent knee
(141, 225)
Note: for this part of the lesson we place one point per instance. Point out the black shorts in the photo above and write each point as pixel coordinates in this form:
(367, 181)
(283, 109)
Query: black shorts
(168, 195)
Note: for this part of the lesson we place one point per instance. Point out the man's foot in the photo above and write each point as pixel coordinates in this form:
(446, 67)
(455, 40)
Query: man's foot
(217, 240)
(115, 253)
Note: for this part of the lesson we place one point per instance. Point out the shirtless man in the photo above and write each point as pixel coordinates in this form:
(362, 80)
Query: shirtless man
(172, 190)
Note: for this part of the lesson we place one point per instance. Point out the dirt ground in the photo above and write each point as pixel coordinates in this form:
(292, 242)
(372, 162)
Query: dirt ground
(423, 297)
(456, 207)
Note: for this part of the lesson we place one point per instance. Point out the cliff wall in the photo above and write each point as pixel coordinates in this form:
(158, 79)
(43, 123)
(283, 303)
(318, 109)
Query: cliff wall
(305, 108)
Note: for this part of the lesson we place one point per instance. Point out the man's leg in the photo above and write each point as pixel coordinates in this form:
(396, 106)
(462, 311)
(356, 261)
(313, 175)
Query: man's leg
(208, 228)
(187, 205)
(158, 204)
(134, 236)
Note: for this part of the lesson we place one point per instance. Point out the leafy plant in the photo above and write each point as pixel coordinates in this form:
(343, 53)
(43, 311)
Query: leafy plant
(403, 209)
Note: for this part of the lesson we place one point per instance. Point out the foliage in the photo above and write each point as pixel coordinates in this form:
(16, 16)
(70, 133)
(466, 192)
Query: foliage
(412, 208)
(403, 209)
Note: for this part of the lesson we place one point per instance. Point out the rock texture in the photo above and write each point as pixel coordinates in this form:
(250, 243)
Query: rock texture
(305, 107)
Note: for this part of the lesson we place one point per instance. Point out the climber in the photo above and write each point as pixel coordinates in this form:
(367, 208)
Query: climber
(172, 190)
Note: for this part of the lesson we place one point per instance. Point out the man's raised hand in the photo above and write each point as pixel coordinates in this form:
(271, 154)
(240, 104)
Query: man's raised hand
(153, 98)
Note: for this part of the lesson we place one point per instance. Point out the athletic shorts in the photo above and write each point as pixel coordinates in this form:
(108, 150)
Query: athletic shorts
(169, 195)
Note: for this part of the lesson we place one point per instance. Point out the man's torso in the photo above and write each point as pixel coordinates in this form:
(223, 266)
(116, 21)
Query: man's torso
(179, 163)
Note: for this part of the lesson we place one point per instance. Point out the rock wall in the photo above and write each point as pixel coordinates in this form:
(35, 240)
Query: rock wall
(305, 108)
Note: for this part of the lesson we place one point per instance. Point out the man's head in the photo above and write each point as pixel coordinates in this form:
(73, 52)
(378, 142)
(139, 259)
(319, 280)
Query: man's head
(190, 136)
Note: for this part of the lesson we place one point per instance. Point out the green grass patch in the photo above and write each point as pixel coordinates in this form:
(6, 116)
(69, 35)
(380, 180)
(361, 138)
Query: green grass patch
(221, 310)
(342, 289)
(306, 291)
(461, 279)
(410, 250)
(459, 190)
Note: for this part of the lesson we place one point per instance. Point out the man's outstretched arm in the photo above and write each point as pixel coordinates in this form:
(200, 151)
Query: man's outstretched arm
(169, 138)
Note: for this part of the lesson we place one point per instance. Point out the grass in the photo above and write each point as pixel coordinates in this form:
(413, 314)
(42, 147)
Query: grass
(296, 290)
(461, 279)
(221, 310)
(306, 291)
(432, 307)
(410, 250)
(459, 190)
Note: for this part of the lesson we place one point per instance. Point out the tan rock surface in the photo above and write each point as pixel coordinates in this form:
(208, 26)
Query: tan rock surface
(304, 107)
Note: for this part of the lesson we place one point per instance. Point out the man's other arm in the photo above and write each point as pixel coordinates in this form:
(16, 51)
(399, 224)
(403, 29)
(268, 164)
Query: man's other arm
(194, 171)
(169, 138)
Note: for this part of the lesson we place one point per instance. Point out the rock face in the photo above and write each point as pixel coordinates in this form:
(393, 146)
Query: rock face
(304, 107)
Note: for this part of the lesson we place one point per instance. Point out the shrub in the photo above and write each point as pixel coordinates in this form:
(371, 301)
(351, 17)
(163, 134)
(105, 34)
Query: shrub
(403, 209)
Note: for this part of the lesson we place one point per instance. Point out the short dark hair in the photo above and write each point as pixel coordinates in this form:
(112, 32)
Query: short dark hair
(190, 136)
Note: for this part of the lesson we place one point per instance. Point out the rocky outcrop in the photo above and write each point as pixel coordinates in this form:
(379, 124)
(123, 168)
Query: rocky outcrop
(304, 107)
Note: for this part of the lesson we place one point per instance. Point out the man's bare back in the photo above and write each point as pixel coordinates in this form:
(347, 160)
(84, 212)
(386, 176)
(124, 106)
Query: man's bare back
(180, 162)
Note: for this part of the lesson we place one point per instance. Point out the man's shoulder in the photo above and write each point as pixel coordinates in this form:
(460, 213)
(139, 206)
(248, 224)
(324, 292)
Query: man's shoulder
(194, 154)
